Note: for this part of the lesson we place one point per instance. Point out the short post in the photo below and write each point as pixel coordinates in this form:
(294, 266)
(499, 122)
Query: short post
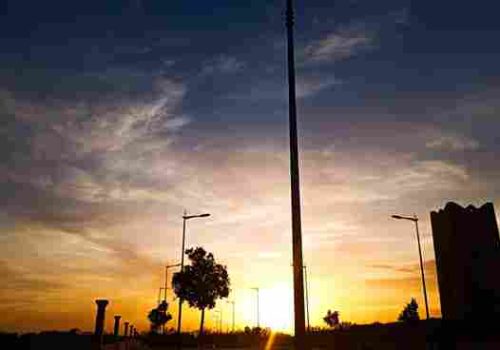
(125, 333)
(99, 320)
(116, 329)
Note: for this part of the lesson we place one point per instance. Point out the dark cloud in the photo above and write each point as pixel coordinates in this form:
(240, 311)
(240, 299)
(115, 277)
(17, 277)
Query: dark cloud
(15, 281)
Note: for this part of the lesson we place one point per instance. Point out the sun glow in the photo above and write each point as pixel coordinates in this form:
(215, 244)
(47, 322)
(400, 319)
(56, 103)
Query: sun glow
(276, 307)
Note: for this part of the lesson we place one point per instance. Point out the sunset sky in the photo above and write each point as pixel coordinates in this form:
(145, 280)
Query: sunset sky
(115, 116)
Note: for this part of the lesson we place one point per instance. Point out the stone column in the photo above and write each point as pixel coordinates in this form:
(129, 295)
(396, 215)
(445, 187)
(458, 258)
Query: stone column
(125, 333)
(99, 319)
(116, 330)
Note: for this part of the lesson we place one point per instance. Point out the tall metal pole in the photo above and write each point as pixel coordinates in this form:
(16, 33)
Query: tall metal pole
(166, 278)
(166, 283)
(298, 278)
(257, 290)
(414, 218)
(234, 318)
(307, 299)
(422, 269)
(184, 218)
(220, 322)
(159, 303)
(159, 295)
(179, 319)
(233, 323)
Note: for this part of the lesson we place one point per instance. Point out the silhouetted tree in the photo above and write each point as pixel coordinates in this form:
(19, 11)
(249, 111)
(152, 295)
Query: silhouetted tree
(332, 318)
(202, 282)
(410, 312)
(159, 316)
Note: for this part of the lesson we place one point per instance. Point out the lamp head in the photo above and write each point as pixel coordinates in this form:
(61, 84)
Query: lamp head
(401, 217)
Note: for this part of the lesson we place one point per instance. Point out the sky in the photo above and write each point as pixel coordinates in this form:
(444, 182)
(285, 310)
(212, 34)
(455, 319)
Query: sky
(116, 116)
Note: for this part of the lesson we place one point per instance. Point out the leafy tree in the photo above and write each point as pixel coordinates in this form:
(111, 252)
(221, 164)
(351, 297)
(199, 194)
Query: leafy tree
(332, 318)
(202, 282)
(159, 316)
(410, 312)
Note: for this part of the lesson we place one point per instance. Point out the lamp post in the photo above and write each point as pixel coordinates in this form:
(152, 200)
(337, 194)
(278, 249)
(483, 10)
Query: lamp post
(159, 294)
(298, 278)
(166, 278)
(257, 290)
(221, 330)
(414, 218)
(233, 323)
(185, 218)
(218, 320)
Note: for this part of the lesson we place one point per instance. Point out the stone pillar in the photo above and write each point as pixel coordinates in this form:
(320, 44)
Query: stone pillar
(125, 333)
(99, 319)
(116, 329)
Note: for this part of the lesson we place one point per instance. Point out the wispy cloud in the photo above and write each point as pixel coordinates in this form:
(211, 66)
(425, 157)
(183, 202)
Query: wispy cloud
(222, 64)
(380, 177)
(341, 44)
(452, 142)
(310, 85)
(429, 268)
(91, 145)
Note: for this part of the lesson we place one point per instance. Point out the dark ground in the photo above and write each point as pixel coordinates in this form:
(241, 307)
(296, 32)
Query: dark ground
(433, 334)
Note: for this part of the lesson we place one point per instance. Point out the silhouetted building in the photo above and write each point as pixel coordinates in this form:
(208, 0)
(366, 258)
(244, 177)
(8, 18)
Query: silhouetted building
(467, 249)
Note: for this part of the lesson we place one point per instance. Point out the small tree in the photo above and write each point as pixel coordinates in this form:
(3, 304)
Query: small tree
(159, 316)
(332, 318)
(410, 312)
(202, 282)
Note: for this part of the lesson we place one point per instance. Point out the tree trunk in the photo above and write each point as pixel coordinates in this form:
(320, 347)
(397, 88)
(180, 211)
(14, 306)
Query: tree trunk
(202, 321)
(200, 336)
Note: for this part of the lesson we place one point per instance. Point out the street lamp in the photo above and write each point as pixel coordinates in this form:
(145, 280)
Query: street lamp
(165, 288)
(414, 218)
(257, 290)
(159, 294)
(218, 320)
(185, 218)
(232, 302)
(166, 277)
